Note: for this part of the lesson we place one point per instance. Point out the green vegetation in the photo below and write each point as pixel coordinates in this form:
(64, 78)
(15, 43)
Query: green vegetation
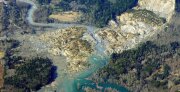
(97, 12)
(12, 14)
(130, 59)
(147, 62)
(32, 75)
(44, 2)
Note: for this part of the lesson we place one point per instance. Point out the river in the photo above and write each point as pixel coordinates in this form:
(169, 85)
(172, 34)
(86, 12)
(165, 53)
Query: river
(97, 60)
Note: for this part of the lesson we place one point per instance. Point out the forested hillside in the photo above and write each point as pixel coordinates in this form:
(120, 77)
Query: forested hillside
(145, 67)
(98, 12)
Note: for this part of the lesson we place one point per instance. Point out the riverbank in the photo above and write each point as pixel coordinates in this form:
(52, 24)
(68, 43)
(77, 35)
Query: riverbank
(90, 45)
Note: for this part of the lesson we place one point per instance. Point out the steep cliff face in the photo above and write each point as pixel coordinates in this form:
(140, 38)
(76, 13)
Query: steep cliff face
(134, 27)
(163, 8)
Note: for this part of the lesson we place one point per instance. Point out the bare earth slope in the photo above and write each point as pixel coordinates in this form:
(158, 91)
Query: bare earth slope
(163, 8)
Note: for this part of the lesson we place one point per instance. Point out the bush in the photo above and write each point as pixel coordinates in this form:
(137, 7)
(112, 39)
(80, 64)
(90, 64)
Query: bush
(175, 45)
(43, 2)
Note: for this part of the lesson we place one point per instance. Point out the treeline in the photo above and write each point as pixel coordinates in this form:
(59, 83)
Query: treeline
(32, 74)
(145, 61)
(44, 2)
(98, 12)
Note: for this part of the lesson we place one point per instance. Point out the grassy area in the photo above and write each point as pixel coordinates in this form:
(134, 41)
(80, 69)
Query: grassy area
(2, 54)
(66, 16)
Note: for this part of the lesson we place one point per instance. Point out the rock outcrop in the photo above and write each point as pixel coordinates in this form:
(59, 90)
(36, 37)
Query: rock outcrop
(163, 8)
(134, 27)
